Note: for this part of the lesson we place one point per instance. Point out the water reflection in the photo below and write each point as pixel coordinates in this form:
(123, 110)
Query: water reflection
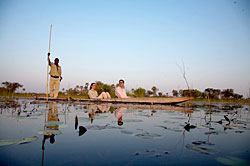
(150, 134)
(119, 113)
(49, 118)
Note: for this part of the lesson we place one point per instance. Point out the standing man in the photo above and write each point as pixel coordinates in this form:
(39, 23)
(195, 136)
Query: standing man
(120, 92)
(55, 77)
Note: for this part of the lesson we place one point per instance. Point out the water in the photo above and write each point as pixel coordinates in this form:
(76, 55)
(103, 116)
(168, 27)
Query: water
(123, 134)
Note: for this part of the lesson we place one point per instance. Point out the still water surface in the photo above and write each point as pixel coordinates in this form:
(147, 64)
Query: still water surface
(61, 133)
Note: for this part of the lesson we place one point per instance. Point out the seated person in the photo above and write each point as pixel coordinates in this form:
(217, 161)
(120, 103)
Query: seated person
(120, 92)
(94, 95)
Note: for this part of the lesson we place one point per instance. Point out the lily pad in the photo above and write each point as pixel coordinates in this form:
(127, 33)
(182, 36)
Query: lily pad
(175, 129)
(132, 120)
(5, 142)
(49, 132)
(28, 140)
(147, 135)
(53, 123)
(114, 127)
(233, 161)
(164, 127)
(127, 132)
(83, 119)
(201, 148)
(97, 127)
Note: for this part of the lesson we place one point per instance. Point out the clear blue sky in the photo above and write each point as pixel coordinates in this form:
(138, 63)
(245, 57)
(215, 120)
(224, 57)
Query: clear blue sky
(141, 41)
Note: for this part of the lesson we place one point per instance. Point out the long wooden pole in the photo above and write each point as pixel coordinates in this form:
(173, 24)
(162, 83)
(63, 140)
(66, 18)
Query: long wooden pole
(47, 95)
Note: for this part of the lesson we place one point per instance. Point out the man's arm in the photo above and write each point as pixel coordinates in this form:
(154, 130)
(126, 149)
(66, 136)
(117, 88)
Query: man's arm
(49, 59)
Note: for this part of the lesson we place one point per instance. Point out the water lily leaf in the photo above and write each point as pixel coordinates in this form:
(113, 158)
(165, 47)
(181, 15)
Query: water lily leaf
(114, 127)
(168, 121)
(53, 123)
(132, 120)
(164, 127)
(97, 127)
(175, 129)
(127, 132)
(233, 161)
(211, 133)
(49, 132)
(5, 142)
(201, 148)
(147, 135)
(83, 119)
(28, 140)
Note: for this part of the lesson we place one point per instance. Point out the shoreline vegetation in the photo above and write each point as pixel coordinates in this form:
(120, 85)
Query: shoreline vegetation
(8, 90)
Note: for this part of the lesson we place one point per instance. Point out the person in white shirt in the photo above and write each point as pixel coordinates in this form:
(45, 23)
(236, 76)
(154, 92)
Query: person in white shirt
(94, 95)
(120, 91)
(55, 77)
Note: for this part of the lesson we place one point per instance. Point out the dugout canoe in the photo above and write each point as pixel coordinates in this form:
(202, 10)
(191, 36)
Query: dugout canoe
(141, 100)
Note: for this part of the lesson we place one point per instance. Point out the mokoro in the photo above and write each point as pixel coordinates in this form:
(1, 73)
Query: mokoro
(144, 100)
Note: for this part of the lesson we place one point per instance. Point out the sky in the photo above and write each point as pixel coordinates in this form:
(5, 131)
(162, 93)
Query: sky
(144, 42)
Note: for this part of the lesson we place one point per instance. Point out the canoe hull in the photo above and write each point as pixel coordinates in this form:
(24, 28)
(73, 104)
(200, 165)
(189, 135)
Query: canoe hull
(144, 100)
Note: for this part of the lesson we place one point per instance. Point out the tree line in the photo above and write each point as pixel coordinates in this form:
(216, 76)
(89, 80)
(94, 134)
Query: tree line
(9, 88)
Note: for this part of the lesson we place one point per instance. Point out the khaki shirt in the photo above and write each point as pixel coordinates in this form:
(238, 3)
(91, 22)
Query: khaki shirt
(92, 94)
(54, 71)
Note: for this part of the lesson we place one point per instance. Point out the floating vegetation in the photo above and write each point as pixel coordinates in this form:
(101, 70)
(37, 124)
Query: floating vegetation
(211, 133)
(152, 153)
(147, 135)
(132, 120)
(5, 142)
(189, 126)
(175, 129)
(170, 122)
(53, 123)
(49, 132)
(233, 161)
(28, 140)
(114, 127)
(164, 127)
(83, 119)
(127, 132)
(201, 147)
(97, 127)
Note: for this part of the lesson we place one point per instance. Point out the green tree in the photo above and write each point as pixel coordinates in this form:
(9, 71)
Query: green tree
(175, 92)
(11, 87)
(160, 94)
(140, 92)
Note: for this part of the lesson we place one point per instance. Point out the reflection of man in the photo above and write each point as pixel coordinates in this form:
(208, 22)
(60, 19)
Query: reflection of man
(52, 116)
(119, 113)
(120, 91)
(91, 111)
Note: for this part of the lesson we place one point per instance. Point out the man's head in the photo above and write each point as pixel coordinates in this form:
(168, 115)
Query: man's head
(120, 122)
(56, 61)
(121, 83)
(92, 86)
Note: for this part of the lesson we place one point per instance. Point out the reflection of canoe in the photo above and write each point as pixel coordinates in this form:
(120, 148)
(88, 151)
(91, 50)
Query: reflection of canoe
(144, 100)
(154, 107)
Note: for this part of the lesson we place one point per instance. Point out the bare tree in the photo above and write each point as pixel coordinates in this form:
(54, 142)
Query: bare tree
(183, 71)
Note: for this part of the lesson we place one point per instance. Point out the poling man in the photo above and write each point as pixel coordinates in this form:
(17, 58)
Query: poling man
(55, 77)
